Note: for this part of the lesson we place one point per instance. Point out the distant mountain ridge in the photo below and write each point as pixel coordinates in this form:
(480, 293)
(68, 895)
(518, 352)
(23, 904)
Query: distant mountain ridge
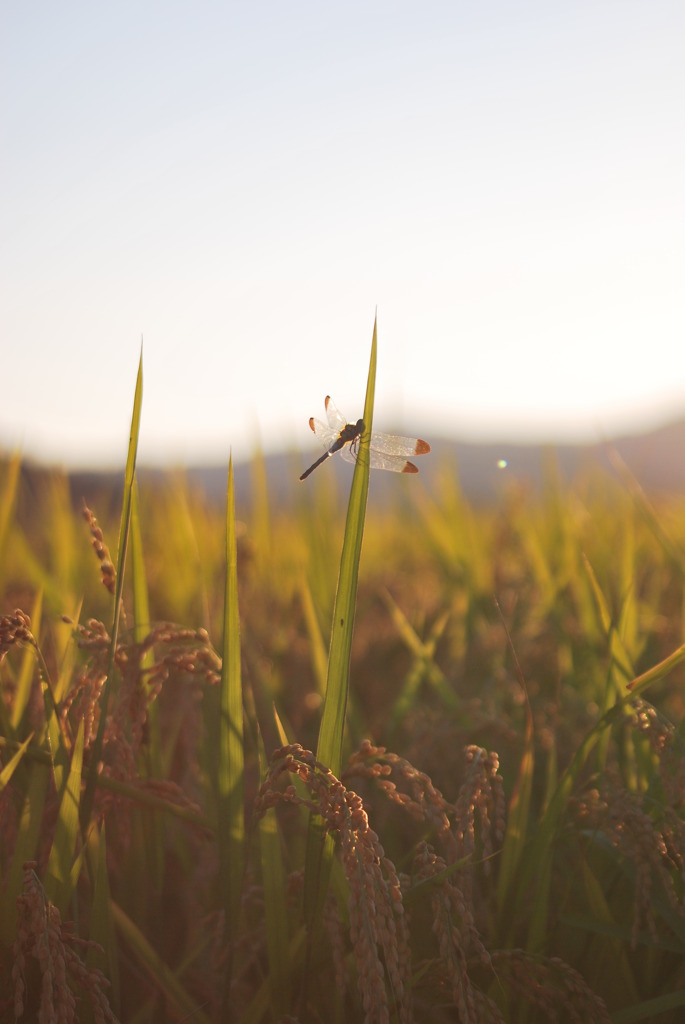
(656, 459)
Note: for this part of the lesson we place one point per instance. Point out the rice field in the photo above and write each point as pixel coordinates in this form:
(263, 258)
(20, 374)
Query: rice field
(322, 763)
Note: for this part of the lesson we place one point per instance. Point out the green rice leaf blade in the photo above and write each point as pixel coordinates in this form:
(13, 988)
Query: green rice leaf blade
(8, 498)
(59, 752)
(329, 749)
(230, 767)
(609, 958)
(141, 619)
(124, 527)
(141, 602)
(182, 1005)
(102, 928)
(536, 868)
(11, 766)
(58, 880)
(316, 644)
(650, 1009)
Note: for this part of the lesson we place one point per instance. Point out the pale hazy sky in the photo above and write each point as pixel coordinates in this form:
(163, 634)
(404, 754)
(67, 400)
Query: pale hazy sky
(242, 184)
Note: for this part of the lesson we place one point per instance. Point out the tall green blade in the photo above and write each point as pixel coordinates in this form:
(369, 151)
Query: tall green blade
(141, 603)
(181, 1004)
(8, 496)
(329, 749)
(87, 804)
(104, 956)
(230, 768)
(58, 879)
(141, 627)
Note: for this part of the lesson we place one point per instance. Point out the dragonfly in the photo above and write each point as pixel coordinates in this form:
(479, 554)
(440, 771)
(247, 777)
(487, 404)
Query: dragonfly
(386, 451)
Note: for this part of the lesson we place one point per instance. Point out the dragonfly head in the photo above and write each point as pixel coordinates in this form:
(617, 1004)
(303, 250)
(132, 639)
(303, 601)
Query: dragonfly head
(359, 427)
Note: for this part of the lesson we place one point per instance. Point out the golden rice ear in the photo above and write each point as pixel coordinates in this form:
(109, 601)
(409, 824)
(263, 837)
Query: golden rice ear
(409, 467)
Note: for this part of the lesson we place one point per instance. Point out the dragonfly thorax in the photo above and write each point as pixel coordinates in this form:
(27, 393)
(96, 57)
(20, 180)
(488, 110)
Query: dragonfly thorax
(350, 432)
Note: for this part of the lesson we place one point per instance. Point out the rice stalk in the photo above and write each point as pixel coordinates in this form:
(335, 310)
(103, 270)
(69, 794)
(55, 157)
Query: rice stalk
(91, 780)
(332, 728)
(230, 767)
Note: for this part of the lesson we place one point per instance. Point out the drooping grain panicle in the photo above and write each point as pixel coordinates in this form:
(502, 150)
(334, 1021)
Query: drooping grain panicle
(108, 573)
(549, 984)
(378, 929)
(182, 659)
(668, 746)
(418, 797)
(81, 701)
(478, 813)
(480, 804)
(15, 629)
(454, 929)
(47, 964)
(177, 652)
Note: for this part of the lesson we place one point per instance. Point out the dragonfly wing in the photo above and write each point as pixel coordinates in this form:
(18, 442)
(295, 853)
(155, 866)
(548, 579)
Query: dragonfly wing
(325, 435)
(394, 463)
(379, 460)
(336, 419)
(348, 453)
(396, 446)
